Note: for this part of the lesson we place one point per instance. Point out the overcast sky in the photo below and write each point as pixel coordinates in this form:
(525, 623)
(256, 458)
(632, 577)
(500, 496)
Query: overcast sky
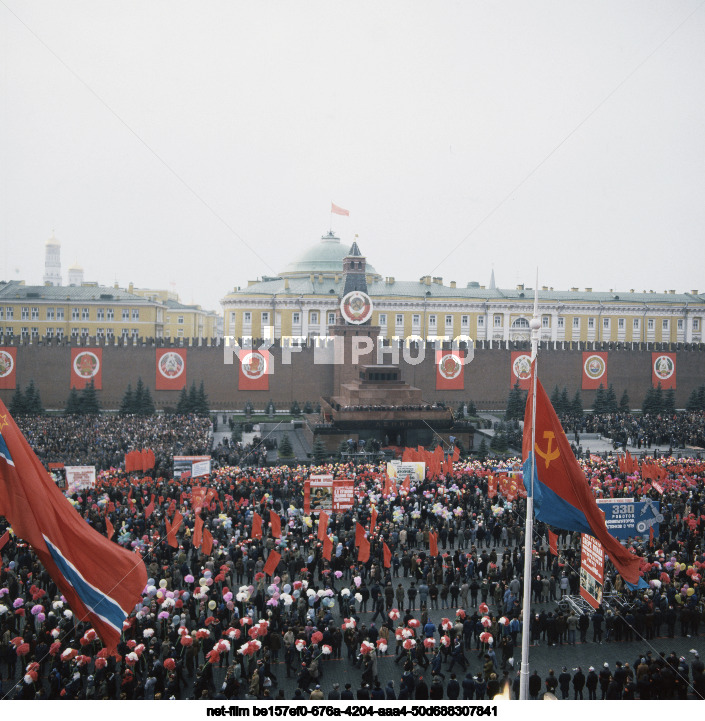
(195, 146)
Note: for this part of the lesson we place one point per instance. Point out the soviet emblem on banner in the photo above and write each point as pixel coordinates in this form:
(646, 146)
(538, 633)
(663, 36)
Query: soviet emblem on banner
(522, 367)
(663, 367)
(356, 307)
(86, 365)
(6, 364)
(171, 365)
(594, 367)
(254, 365)
(449, 366)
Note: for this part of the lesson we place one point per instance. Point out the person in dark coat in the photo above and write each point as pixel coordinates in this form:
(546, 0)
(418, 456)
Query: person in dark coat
(605, 678)
(363, 693)
(421, 690)
(389, 692)
(468, 687)
(346, 694)
(377, 693)
(453, 688)
(591, 684)
(534, 685)
(436, 690)
(551, 682)
(564, 682)
(578, 684)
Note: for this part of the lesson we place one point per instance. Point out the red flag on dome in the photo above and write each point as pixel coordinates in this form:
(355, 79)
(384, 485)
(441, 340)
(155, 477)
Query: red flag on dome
(338, 210)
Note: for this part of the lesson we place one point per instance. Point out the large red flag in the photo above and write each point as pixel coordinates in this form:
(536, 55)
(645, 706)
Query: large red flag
(207, 545)
(552, 542)
(322, 525)
(198, 532)
(327, 548)
(149, 509)
(373, 520)
(433, 543)
(363, 554)
(256, 525)
(276, 523)
(270, 566)
(387, 555)
(562, 495)
(359, 534)
(109, 529)
(173, 529)
(101, 581)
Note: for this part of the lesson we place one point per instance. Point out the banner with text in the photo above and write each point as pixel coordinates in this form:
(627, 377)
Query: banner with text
(8, 368)
(594, 370)
(592, 570)
(171, 369)
(343, 494)
(191, 466)
(87, 366)
(415, 470)
(627, 519)
(318, 494)
(79, 477)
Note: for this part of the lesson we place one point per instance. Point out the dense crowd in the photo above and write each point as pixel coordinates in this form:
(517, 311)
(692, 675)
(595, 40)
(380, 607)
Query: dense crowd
(443, 626)
(102, 440)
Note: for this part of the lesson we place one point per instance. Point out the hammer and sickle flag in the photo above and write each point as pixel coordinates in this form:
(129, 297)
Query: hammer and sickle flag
(562, 495)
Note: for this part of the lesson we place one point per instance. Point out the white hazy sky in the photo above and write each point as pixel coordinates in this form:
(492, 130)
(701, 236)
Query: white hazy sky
(199, 145)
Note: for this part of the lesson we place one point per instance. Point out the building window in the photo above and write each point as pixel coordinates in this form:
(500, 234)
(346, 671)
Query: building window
(449, 321)
(110, 334)
(24, 332)
(636, 324)
(295, 318)
(85, 314)
(650, 324)
(99, 333)
(180, 319)
(35, 332)
(498, 321)
(314, 317)
(664, 324)
(696, 323)
(59, 334)
(416, 320)
(576, 323)
(10, 332)
(383, 319)
(606, 323)
(10, 312)
(246, 317)
(591, 324)
(521, 323)
(180, 333)
(232, 318)
(545, 321)
(620, 323)
(561, 322)
(75, 314)
(50, 333)
(432, 320)
(100, 314)
(25, 313)
(84, 332)
(50, 314)
(680, 324)
(265, 318)
(111, 314)
(135, 314)
(74, 332)
(331, 318)
(465, 321)
(126, 314)
(480, 321)
(2, 313)
(35, 313)
(135, 333)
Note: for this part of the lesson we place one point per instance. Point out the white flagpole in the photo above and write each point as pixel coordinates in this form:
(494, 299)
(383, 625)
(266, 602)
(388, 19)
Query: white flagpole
(535, 325)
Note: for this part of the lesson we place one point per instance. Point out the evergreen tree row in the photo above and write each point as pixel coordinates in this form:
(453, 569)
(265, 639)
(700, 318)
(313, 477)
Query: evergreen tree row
(193, 401)
(27, 403)
(656, 401)
(138, 402)
(84, 403)
(696, 402)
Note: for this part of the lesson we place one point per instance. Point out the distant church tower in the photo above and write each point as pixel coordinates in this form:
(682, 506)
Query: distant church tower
(76, 275)
(52, 261)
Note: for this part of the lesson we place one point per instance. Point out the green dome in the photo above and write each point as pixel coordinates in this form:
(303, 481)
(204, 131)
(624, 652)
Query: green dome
(324, 257)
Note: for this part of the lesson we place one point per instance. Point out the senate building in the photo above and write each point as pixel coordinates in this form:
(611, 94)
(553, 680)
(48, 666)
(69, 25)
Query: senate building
(303, 300)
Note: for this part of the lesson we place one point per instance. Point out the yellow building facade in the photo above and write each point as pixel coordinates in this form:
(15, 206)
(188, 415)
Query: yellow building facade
(181, 321)
(304, 298)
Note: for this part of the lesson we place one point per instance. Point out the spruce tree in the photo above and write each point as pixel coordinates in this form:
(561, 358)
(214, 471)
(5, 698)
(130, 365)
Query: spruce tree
(73, 403)
(147, 406)
(472, 409)
(701, 398)
(669, 402)
(32, 400)
(193, 398)
(17, 404)
(127, 405)
(482, 450)
(138, 397)
(556, 401)
(90, 405)
(285, 449)
(565, 401)
(182, 407)
(236, 433)
(320, 452)
(202, 407)
(308, 407)
(611, 400)
(576, 406)
(294, 409)
(648, 406)
(624, 403)
(599, 402)
(516, 403)
(658, 399)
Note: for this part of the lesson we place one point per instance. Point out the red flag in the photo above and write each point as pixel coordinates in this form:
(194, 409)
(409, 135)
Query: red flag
(651, 537)
(552, 542)
(338, 210)
(359, 534)
(170, 369)
(373, 520)
(456, 454)
(149, 510)
(433, 543)
(327, 548)
(6, 537)
(562, 495)
(276, 524)
(8, 368)
(363, 554)
(207, 545)
(173, 529)
(387, 555)
(387, 486)
(198, 532)
(323, 526)
(101, 581)
(270, 566)
(256, 525)
(109, 530)
(406, 485)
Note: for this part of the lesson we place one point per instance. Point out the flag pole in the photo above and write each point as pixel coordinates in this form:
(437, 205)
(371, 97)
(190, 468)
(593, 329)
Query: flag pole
(534, 324)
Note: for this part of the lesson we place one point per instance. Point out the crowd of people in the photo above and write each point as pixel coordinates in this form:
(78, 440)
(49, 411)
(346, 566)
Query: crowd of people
(427, 624)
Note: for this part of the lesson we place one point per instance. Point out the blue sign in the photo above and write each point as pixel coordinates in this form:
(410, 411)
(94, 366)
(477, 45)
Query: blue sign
(626, 518)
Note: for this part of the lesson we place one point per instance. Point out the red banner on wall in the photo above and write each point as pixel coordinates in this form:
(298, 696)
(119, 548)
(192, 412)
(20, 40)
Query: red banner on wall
(171, 369)
(255, 369)
(663, 370)
(594, 370)
(8, 368)
(450, 375)
(87, 366)
(520, 370)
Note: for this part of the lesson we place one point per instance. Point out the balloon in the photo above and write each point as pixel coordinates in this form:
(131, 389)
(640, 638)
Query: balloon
(212, 605)
(201, 581)
(690, 591)
(185, 596)
(209, 582)
(286, 588)
(162, 583)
